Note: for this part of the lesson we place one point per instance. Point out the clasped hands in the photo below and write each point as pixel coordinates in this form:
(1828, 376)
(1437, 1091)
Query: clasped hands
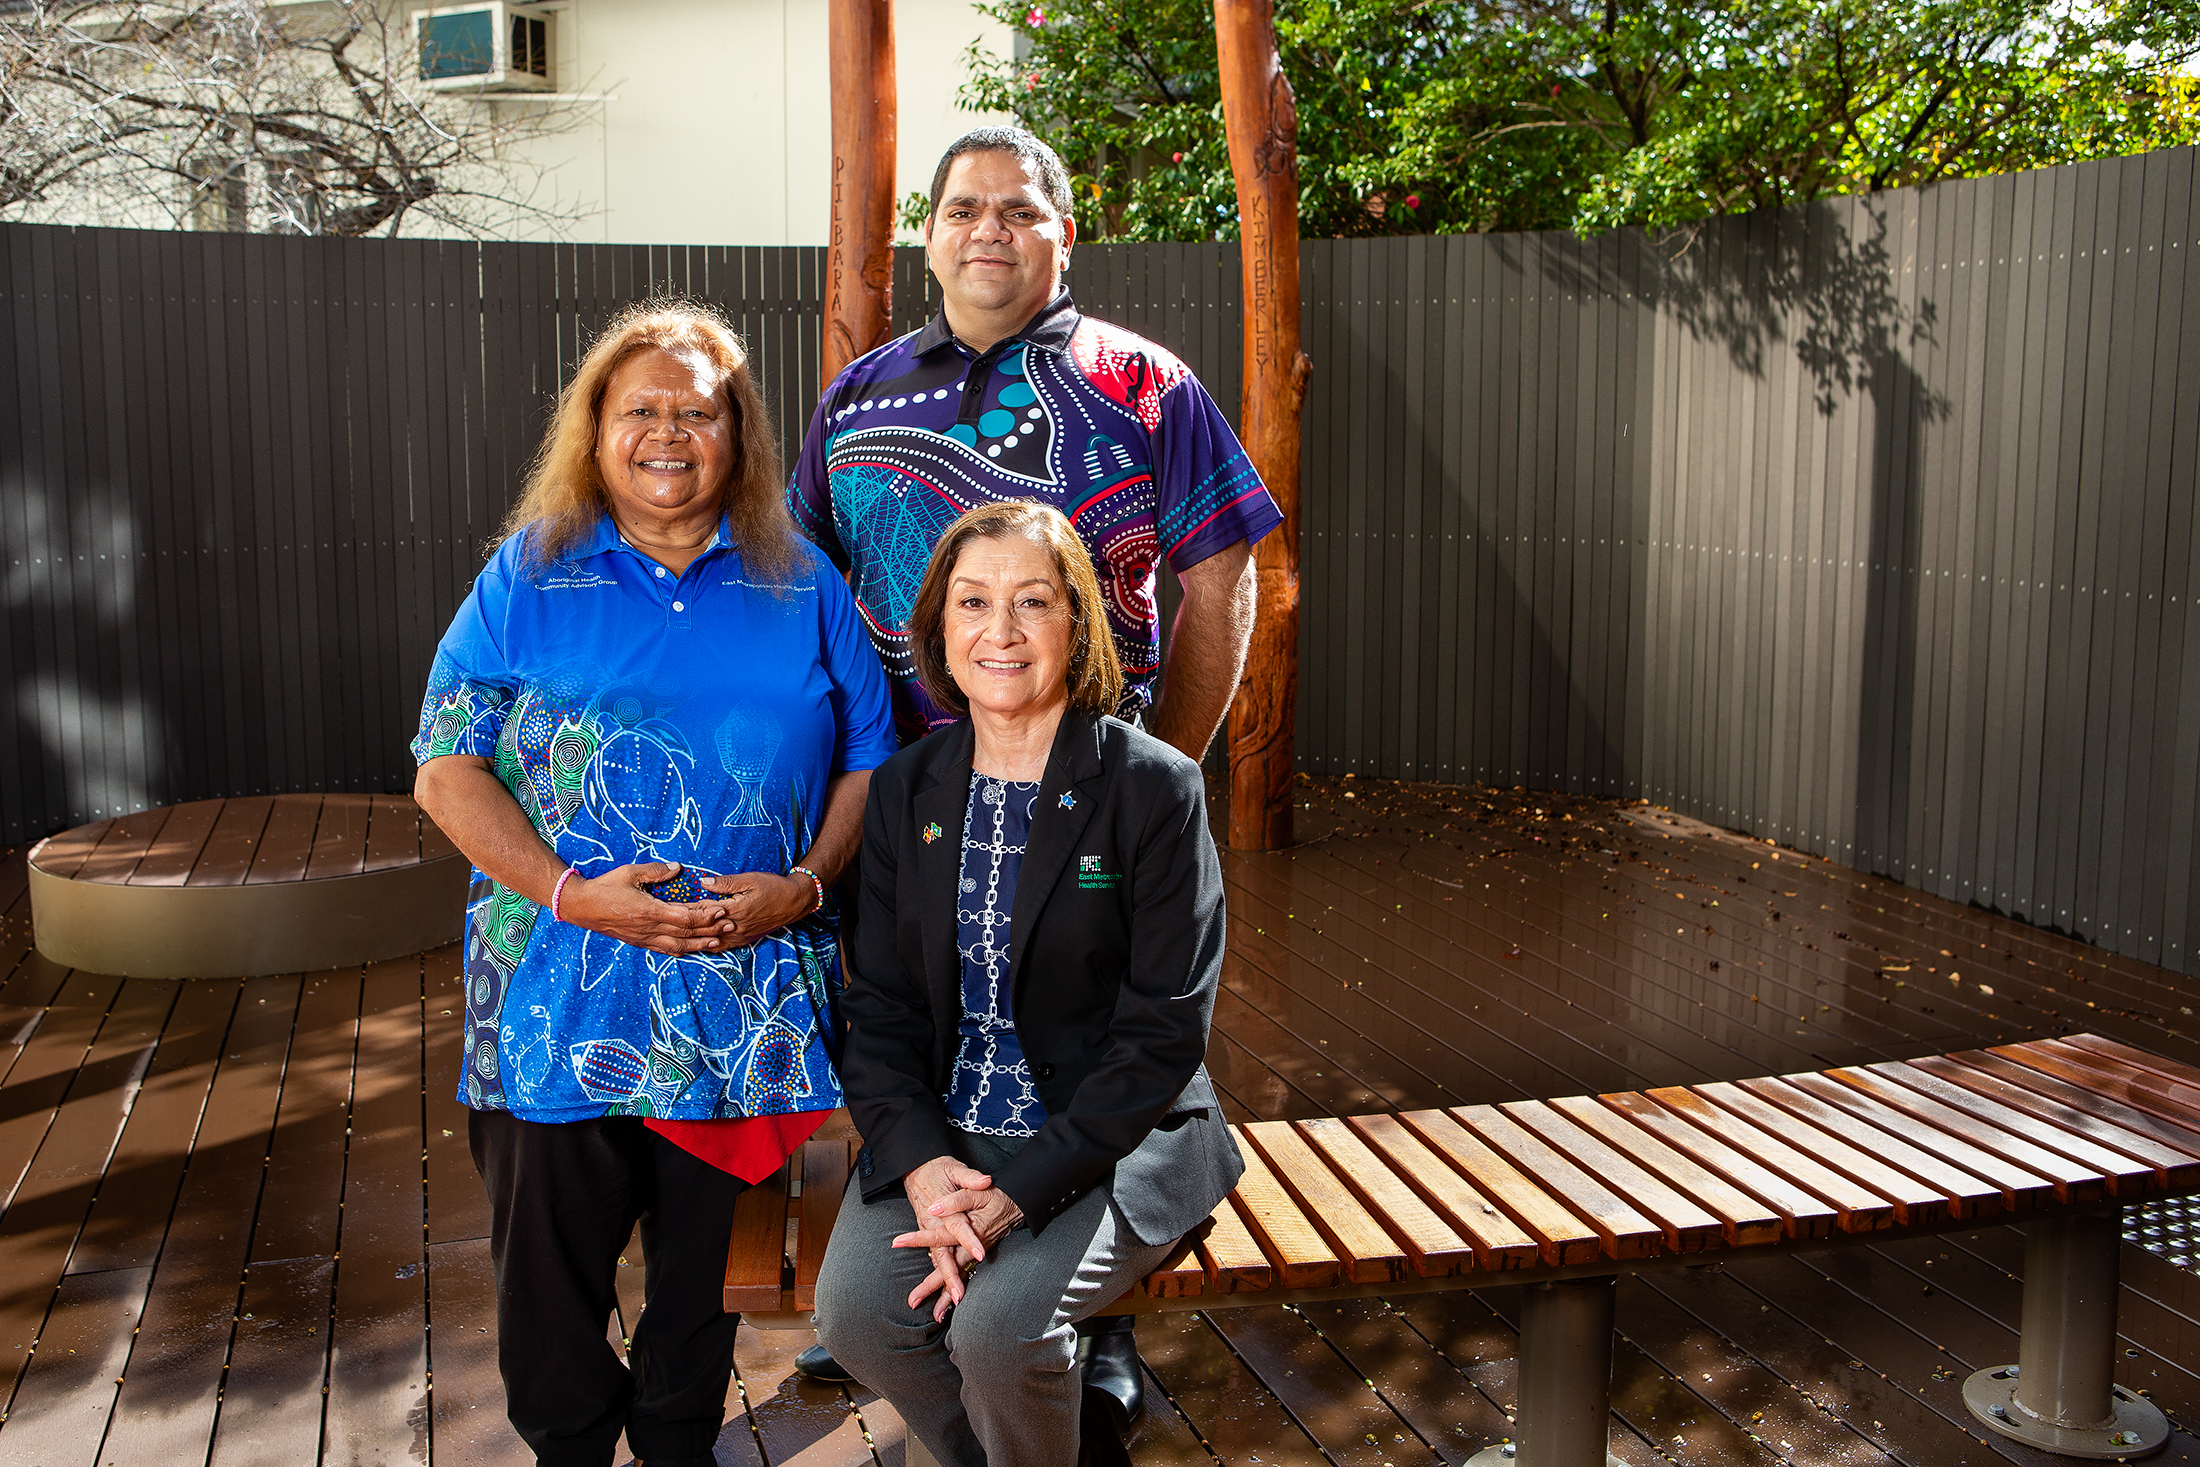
(753, 905)
(959, 1215)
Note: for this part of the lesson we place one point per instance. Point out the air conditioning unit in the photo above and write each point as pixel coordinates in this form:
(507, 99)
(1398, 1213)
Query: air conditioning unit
(489, 47)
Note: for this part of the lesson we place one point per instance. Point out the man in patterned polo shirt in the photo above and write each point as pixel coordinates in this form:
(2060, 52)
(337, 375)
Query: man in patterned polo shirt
(1010, 393)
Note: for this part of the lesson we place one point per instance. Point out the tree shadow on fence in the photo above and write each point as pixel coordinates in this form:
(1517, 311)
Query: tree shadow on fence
(1823, 284)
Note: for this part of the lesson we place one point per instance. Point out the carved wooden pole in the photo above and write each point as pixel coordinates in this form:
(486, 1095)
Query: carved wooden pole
(1263, 125)
(859, 265)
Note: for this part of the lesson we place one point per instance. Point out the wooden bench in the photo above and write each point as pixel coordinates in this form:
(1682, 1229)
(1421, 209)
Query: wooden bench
(1565, 1195)
(241, 887)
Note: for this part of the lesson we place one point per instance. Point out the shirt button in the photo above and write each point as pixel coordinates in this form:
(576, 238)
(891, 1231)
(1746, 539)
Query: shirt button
(679, 606)
(660, 572)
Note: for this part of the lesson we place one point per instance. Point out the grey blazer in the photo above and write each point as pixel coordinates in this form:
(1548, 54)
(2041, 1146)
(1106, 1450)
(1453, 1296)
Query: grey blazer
(1117, 933)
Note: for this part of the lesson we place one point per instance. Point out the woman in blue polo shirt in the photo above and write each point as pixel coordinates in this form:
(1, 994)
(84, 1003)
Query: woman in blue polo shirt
(650, 727)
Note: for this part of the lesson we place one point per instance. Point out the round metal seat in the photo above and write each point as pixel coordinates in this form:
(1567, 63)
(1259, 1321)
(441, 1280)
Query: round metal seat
(240, 887)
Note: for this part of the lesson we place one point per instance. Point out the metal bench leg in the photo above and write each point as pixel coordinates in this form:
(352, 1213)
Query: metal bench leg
(2061, 1395)
(1565, 1411)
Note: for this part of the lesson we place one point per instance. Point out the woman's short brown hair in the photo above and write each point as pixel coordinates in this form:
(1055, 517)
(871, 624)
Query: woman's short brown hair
(1095, 676)
(565, 495)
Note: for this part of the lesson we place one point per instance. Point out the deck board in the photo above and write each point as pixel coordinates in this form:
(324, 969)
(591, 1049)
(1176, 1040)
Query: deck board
(176, 1367)
(286, 842)
(378, 1403)
(1429, 949)
(226, 858)
(169, 860)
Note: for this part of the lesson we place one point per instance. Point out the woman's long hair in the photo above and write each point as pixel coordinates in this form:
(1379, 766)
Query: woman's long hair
(565, 495)
(1095, 675)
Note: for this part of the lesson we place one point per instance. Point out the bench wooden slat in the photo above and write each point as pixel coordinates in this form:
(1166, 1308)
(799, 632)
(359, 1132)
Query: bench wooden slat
(1967, 1195)
(2123, 1175)
(125, 843)
(393, 833)
(1301, 1256)
(1630, 1164)
(1561, 1236)
(2074, 1181)
(169, 859)
(1233, 1261)
(1368, 1254)
(1180, 1275)
(756, 1258)
(1433, 1248)
(2183, 1138)
(1857, 1208)
(340, 837)
(1625, 1233)
(1498, 1241)
(1740, 1217)
(2172, 1166)
(66, 853)
(825, 1168)
(2107, 1048)
(2021, 1188)
(2139, 1088)
(226, 858)
(1800, 1213)
(287, 842)
(1913, 1200)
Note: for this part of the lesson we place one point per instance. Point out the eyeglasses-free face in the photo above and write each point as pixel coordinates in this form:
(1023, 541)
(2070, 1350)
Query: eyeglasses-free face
(1009, 628)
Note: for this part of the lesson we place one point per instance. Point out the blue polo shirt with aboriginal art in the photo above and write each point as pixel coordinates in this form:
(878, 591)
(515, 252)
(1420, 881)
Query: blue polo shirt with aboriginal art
(639, 716)
(1103, 425)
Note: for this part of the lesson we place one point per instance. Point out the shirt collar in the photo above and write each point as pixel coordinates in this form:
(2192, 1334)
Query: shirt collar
(1051, 329)
(605, 538)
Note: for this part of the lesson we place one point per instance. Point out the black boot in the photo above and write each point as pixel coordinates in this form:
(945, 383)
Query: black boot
(817, 1364)
(1115, 1382)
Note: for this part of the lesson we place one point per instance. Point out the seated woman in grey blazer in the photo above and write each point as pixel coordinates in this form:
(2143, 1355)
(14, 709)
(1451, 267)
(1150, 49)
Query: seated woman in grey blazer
(1031, 976)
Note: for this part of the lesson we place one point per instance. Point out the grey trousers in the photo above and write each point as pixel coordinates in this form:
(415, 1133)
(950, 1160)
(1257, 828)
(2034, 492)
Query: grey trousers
(997, 1384)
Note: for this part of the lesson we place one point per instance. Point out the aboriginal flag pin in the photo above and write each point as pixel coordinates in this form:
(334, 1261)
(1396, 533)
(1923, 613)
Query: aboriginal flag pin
(933, 832)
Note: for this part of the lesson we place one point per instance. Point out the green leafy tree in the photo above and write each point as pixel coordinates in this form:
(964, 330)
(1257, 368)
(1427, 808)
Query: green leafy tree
(1429, 116)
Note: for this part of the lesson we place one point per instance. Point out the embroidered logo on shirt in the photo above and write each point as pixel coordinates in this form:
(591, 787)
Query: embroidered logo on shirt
(1091, 878)
(574, 578)
(933, 832)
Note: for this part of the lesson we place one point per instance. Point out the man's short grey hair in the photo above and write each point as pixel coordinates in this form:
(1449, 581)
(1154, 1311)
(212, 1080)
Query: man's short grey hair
(1053, 177)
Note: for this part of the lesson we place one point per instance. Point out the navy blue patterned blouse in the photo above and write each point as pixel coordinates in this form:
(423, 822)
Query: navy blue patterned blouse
(991, 1090)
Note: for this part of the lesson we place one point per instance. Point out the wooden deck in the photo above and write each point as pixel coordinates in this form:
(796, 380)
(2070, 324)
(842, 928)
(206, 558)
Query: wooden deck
(238, 1223)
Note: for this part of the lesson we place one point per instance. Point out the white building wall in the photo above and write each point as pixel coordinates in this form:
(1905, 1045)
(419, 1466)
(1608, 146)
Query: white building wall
(717, 128)
(714, 127)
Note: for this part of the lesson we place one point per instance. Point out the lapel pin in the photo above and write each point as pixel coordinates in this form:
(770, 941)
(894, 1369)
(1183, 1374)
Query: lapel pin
(933, 832)
(1069, 801)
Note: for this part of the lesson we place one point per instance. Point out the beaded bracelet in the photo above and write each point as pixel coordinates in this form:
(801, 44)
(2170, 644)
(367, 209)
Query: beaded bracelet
(815, 880)
(558, 891)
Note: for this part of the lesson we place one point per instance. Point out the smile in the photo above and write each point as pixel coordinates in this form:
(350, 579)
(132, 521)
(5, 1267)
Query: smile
(999, 666)
(666, 463)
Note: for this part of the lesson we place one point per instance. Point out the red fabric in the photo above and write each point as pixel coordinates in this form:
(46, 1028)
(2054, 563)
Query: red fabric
(750, 1147)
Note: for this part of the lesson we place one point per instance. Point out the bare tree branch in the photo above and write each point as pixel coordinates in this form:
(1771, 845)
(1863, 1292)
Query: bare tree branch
(245, 114)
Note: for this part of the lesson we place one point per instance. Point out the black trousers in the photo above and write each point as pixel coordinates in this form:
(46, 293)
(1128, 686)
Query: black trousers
(563, 1201)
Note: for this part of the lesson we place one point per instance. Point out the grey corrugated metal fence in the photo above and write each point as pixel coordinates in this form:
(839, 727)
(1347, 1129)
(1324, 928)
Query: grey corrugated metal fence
(1867, 526)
